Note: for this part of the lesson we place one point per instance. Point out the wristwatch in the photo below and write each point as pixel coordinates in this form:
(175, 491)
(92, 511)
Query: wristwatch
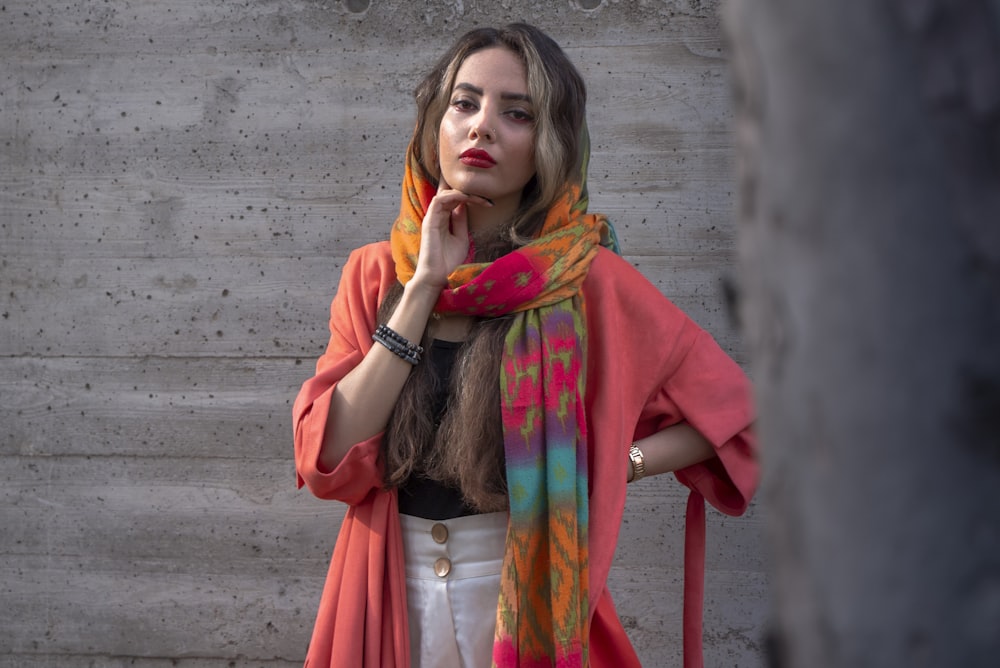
(638, 463)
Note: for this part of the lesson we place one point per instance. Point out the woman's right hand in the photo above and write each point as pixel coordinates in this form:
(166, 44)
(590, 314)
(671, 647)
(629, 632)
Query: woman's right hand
(444, 236)
(377, 381)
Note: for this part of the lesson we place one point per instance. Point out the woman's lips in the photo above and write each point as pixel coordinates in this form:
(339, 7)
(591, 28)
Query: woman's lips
(477, 157)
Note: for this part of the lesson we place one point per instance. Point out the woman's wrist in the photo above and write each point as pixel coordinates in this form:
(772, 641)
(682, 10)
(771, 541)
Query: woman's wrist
(418, 300)
(423, 290)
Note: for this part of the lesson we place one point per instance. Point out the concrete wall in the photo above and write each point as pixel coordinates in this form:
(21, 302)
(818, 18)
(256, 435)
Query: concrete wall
(181, 182)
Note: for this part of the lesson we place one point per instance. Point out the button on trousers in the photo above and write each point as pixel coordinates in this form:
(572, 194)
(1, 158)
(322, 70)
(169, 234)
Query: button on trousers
(452, 586)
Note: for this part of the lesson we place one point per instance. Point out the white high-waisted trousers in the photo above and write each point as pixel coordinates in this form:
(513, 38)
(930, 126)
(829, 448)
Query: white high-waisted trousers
(452, 587)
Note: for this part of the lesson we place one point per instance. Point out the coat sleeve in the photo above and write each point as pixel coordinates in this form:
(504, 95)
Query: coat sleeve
(654, 367)
(366, 276)
(710, 391)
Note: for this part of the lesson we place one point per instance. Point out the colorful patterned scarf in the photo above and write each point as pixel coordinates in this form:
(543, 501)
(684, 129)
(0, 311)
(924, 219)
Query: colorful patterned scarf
(543, 616)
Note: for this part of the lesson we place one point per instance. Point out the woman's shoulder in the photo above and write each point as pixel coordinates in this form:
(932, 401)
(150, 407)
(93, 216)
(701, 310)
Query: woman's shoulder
(615, 288)
(607, 260)
(370, 261)
(375, 253)
(366, 275)
(612, 273)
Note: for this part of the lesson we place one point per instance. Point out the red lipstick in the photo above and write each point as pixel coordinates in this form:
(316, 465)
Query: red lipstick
(477, 157)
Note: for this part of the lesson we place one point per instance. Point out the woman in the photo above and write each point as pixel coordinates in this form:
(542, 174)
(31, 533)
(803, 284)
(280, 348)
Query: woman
(495, 376)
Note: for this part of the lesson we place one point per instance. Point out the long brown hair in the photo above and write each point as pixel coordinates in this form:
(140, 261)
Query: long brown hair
(466, 448)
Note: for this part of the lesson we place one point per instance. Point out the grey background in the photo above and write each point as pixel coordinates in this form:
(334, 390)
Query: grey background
(181, 182)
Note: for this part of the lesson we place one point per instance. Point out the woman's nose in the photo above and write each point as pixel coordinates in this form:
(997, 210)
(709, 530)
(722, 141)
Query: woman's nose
(482, 127)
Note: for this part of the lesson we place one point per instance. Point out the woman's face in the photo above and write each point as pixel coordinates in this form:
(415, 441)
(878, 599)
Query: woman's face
(487, 138)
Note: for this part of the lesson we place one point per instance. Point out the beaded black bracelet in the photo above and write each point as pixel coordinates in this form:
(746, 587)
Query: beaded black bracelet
(408, 355)
(389, 333)
(398, 345)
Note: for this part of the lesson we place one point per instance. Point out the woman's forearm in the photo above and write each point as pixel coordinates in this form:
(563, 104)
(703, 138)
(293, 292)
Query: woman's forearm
(673, 448)
(363, 399)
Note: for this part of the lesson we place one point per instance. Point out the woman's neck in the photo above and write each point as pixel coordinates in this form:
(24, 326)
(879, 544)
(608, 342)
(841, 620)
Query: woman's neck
(486, 222)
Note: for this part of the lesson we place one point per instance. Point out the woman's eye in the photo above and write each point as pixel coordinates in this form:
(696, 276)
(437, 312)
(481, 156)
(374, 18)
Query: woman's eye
(463, 105)
(521, 115)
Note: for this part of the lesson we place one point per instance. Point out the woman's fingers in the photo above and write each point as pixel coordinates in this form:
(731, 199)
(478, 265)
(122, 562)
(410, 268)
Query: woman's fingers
(460, 221)
(447, 200)
(448, 214)
(445, 240)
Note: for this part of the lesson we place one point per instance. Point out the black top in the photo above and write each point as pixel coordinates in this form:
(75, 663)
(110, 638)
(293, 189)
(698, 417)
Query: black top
(420, 496)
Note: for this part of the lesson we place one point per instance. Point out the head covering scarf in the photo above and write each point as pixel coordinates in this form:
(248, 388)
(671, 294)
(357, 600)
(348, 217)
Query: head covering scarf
(543, 612)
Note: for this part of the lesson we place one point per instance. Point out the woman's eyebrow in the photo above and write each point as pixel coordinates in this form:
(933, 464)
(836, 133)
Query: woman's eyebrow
(503, 96)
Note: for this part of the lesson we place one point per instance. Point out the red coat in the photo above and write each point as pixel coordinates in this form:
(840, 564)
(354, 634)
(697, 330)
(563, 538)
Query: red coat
(648, 366)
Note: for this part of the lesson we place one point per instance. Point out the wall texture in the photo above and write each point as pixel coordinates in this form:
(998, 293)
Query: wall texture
(181, 182)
